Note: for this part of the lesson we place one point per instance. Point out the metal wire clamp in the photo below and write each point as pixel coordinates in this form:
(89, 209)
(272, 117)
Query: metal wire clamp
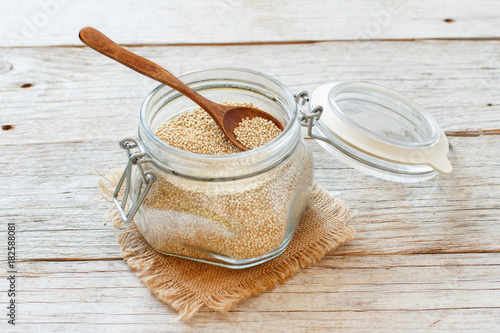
(147, 179)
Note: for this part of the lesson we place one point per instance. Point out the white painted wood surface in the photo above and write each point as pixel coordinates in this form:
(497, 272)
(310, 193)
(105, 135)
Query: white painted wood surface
(53, 22)
(426, 256)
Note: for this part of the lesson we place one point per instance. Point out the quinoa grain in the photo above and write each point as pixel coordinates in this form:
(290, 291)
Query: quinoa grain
(255, 132)
(197, 133)
(238, 219)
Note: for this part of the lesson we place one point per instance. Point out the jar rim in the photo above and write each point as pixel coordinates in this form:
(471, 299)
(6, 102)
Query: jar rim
(227, 157)
(245, 85)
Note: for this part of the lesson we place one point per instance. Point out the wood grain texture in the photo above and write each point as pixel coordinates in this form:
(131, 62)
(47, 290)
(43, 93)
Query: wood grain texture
(341, 293)
(57, 22)
(56, 211)
(427, 255)
(88, 94)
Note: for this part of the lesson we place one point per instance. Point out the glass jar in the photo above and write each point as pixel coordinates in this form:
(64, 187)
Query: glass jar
(235, 210)
(242, 209)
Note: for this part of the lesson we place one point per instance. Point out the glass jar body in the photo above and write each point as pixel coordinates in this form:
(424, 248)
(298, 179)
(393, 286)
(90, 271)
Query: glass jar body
(234, 210)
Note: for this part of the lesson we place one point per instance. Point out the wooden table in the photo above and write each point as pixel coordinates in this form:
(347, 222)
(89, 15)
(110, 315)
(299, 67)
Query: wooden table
(427, 255)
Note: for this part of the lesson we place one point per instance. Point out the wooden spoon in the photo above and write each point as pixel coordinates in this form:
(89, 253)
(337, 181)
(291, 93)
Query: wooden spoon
(226, 117)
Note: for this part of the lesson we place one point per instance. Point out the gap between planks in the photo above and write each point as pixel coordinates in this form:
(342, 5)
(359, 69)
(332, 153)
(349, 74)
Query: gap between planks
(296, 42)
(433, 252)
(473, 133)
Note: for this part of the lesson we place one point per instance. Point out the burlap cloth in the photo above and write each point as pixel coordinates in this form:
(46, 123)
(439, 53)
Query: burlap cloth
(187, 286)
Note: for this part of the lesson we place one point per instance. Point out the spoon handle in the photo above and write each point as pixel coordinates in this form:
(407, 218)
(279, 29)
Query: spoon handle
(102, 44)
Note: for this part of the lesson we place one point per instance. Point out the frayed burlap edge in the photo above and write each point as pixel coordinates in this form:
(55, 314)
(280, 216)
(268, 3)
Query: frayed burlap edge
(149, 265)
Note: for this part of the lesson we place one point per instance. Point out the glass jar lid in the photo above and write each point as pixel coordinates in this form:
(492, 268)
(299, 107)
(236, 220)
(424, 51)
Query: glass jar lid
(380, 132)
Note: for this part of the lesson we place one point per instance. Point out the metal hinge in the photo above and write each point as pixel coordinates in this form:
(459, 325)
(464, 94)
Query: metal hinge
(310, 117)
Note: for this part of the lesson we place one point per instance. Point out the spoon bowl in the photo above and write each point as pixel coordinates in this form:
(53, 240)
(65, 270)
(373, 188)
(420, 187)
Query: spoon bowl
(235, 115)
(227, 117)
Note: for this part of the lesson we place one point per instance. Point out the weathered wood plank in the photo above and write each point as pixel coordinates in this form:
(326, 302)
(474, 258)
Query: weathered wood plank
(462, 205)
(70, 120)
(79, 95)
(57, 22)
(50, 191)
(426, 256)
(377, 293)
